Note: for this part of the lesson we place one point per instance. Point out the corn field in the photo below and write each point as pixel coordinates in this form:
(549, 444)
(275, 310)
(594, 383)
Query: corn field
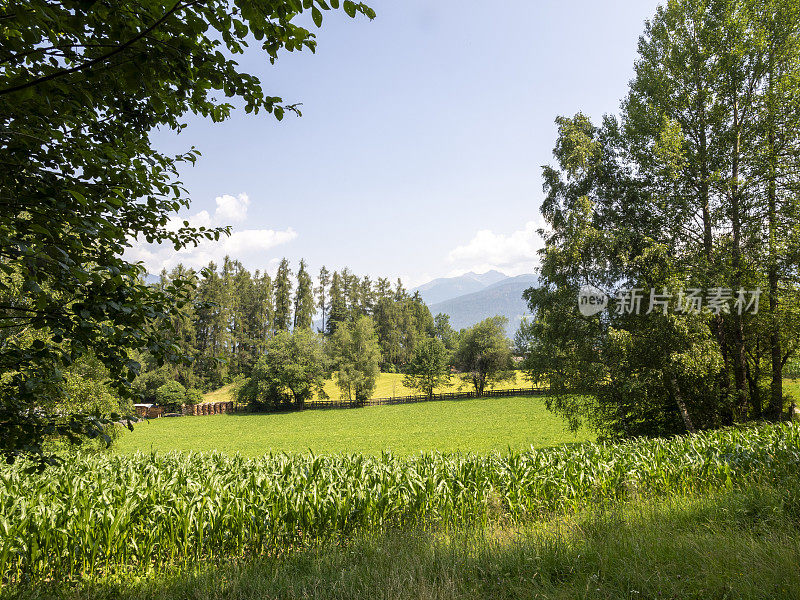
(135, 513)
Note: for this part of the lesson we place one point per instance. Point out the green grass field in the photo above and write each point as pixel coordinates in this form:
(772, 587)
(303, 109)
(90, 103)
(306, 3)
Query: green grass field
(388, 385)
(478, 425)
(792, 387)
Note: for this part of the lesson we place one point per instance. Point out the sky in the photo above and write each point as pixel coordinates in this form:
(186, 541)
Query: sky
(423, 134)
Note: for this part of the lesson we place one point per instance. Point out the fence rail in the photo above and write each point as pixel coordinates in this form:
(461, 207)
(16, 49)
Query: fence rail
(216, 408)
(333, 404)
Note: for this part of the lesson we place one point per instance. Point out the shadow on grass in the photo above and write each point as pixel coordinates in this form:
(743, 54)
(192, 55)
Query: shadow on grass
(726, 545)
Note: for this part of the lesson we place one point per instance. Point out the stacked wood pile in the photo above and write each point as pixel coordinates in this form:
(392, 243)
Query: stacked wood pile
(148, 411)
(208, 408)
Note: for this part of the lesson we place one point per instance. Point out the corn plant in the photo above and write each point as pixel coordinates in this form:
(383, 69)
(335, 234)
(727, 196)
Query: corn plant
(144, 511)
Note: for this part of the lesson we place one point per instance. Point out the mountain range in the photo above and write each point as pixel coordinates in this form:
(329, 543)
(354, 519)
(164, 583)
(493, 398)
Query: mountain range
(472, 297)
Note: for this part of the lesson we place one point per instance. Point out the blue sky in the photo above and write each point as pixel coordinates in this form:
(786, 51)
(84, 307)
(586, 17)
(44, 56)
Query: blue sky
(423, 133)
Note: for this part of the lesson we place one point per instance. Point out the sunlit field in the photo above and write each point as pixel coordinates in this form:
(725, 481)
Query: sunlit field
(792, 387)
(477, 425)
(388, 385)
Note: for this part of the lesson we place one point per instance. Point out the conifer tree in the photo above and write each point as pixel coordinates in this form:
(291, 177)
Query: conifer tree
(399, 291)
(283, 297)
(337, 312)
(304, 299)
(322, 290)
(366, 295)
(264, 310)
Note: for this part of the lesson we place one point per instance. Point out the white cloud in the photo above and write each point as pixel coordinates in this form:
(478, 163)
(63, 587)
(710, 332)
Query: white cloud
(250, 246)
(230, 209)
(514, 254)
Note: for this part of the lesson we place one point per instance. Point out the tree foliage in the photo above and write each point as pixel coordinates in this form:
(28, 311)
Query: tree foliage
(356, 355)
(692, 187)
(83, 85)
(171, 392)
(429, 368)
(483, 354)
(292, 369)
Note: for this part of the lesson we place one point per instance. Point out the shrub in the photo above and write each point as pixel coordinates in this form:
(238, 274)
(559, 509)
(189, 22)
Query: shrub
(193, 396)
(171, 392)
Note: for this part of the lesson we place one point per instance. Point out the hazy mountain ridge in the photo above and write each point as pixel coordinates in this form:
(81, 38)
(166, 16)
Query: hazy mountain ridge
(445, 288)
(503, 297)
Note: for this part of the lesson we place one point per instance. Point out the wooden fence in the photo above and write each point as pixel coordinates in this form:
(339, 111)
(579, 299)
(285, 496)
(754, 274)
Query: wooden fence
(218, 408)
(332, 404)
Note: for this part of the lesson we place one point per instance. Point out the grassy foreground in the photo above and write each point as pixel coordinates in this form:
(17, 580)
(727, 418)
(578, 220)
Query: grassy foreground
(114, 518)
(479, 425)
(388, 385)
(726, 544)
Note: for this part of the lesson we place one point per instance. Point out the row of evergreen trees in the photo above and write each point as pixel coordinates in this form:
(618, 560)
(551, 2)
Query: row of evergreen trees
(232, 314)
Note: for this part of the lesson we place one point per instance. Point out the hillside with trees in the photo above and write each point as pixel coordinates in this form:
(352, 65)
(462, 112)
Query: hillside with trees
(233, 317)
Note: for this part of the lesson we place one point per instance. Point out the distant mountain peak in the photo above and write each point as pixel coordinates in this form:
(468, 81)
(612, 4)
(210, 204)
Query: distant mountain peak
(472, 297)
(501, 298)
(489, 277)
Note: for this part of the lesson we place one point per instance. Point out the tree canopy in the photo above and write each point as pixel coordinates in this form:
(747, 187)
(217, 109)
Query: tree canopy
(292, 369)
(483, 354)
(355, 351)
(83, 84)
(692, 191)
(429, 368)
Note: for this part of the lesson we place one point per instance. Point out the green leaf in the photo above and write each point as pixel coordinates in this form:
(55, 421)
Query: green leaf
(316, 14)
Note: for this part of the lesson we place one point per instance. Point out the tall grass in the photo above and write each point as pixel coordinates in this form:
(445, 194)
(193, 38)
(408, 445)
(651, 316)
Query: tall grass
(99, 513)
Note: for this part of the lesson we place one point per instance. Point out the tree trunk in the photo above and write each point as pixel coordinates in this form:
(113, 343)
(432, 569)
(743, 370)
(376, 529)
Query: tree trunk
(687, 419)
(776, 352)
(708, 251)
(739, 356)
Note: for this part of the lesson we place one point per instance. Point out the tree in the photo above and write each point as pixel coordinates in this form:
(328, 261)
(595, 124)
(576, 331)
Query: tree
(171, 392)
(283, 297)
(147, 383)
(337, 312)
(244, 322)
(356, 358)
(293, 368)
(444, 331)
(303, 299)
(430, 367)
(400, 324)
(484, 354)
(263, 310)
(682, 191)
(87, 388)
(322, 298)
(400, 291)
(83, 85)
(366, 296)
(212, 328)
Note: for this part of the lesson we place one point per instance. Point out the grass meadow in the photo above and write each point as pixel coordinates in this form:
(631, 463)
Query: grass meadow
(792, 387)
(478, 425)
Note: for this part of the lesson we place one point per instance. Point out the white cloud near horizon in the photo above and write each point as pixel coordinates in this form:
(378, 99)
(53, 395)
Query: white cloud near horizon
(249, 246)
(513, 254)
